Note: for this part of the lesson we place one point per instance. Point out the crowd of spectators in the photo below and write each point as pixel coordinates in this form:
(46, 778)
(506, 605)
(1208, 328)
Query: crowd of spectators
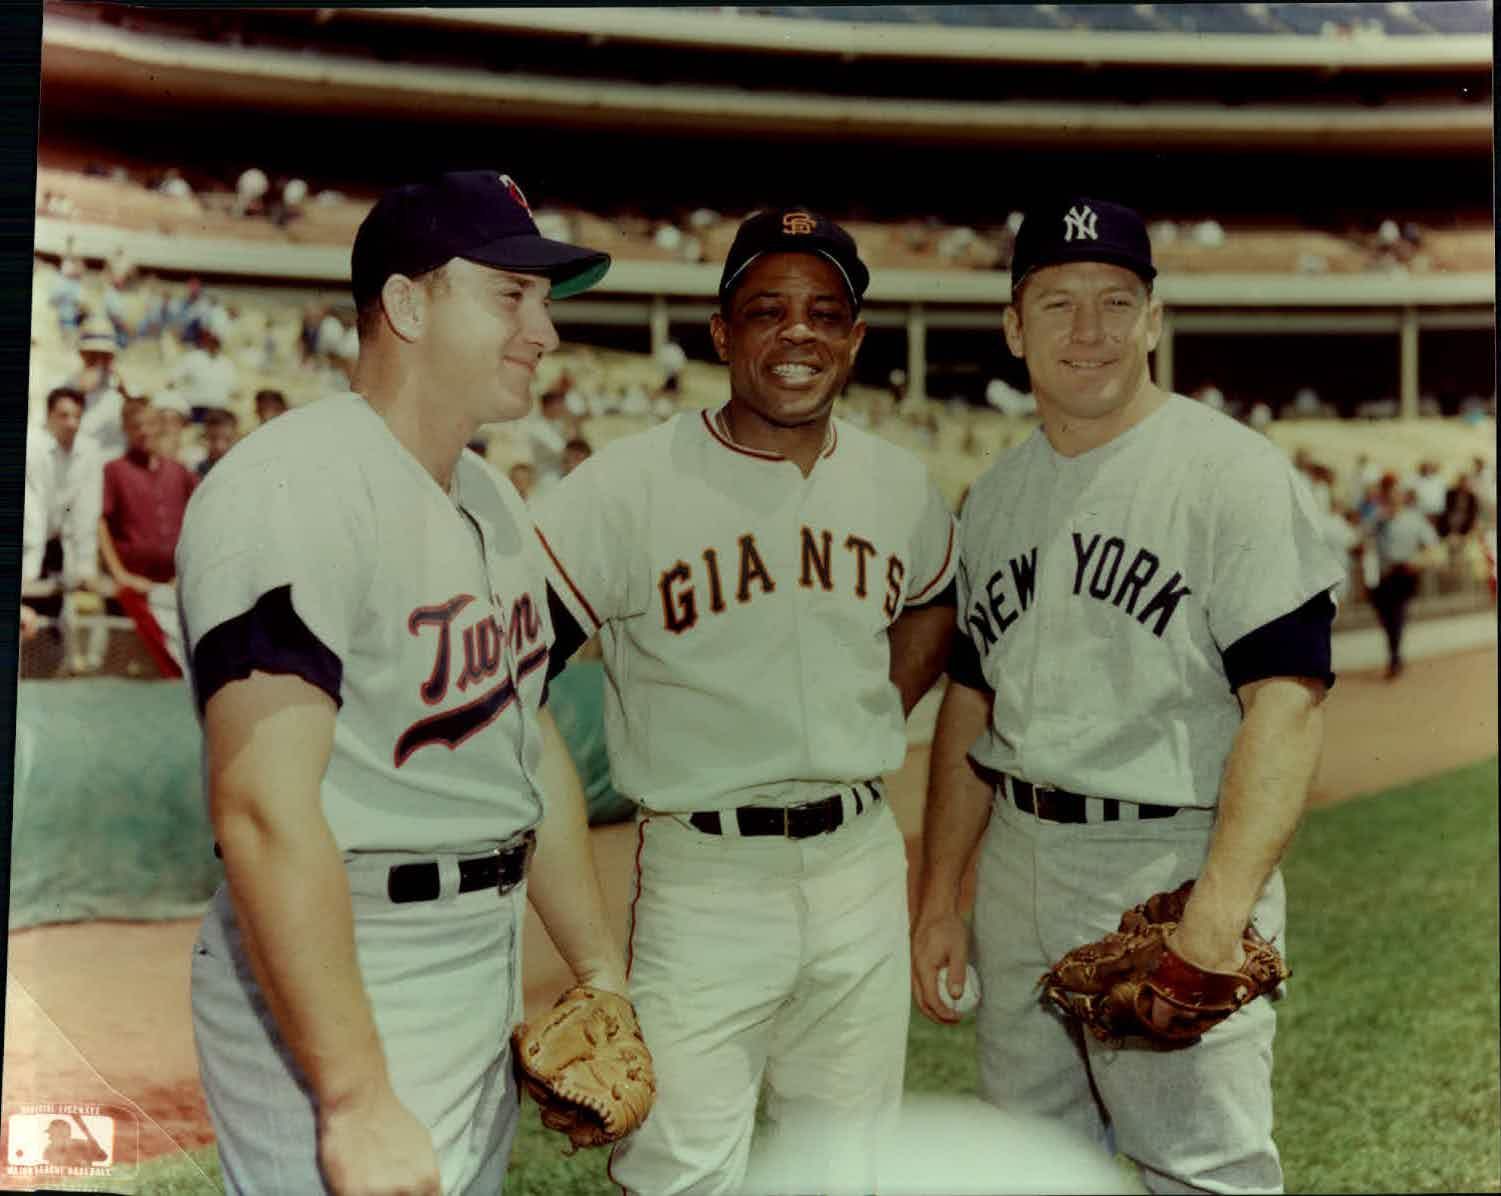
(258, 204)
(111, 462)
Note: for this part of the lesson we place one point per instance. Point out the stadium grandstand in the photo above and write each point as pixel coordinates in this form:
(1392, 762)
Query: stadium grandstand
(1318, 180)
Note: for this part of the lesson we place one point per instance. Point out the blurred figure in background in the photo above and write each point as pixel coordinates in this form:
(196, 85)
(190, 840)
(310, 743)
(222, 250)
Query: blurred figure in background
(575, 453)
(172, 416)
(220, 431)
(1401, 533)
(60, 527)
(103, 390)
(269, 403)
(524, 477)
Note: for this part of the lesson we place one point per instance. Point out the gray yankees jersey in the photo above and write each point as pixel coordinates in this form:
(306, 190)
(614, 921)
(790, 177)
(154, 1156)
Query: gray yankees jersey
(1100, 592)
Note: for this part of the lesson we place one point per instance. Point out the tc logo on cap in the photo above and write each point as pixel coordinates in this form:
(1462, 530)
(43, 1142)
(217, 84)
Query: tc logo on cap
(1079, 224)
(797, 223)
(510, 185)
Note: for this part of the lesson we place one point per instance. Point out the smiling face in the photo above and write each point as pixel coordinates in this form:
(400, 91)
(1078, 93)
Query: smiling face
(789, 337)
(1085, 330)
(484, 330)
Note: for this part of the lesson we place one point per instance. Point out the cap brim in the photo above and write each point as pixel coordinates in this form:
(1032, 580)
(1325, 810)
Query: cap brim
(570, 268)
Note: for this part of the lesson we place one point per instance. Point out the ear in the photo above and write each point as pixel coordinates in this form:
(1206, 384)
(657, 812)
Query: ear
(1011, 327)
(857, 338)
(405, 306)
(1154, 323)
(720, 334)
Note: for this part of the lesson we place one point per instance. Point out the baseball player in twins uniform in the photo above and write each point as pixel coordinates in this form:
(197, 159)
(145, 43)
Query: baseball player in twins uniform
(1135, 701)
(368, 622)
(771, 589)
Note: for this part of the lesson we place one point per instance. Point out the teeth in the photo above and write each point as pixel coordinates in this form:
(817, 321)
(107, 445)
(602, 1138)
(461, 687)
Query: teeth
(793, 372)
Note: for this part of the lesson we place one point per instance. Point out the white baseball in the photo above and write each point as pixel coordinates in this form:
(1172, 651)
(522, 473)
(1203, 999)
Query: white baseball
(969, 998)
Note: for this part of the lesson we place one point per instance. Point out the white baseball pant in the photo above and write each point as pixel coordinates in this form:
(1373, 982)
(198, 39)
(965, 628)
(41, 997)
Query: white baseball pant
(443, 978)
(776, 960)
(1194, 1120)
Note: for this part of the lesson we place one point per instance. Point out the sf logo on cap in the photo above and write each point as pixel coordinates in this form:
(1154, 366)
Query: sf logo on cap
(797, 223)
(1079, 224)
(509, 184)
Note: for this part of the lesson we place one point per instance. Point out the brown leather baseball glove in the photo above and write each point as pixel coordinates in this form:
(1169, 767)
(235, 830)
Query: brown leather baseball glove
(1109, 984)
(587, 1067)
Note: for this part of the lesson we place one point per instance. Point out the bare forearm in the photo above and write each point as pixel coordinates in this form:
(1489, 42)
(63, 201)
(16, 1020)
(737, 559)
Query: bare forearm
(1262, 799)
(920, 642)
(306, 965)
(564, 885)
(958, 806)
(112, 560)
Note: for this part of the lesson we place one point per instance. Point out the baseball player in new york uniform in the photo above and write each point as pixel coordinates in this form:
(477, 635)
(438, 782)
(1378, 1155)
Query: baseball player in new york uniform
(1135, 701)
(368, 621)
(770, 585)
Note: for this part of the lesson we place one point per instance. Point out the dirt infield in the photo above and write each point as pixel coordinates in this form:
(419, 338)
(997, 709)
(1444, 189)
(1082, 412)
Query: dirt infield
(97, 1013)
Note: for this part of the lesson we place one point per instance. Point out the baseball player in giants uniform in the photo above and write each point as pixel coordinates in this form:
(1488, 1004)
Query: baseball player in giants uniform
(367, 615)
(1135, 701)
(770, 585)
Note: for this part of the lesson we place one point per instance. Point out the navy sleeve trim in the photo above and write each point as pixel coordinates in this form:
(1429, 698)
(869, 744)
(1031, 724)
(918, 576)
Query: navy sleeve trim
(964, 665)
(568, 635)
(948, 596)
(270, 637)
(1295, 645)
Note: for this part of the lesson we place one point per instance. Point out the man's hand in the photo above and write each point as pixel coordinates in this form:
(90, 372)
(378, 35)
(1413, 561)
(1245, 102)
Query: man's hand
(371, 1145)
(938, 942)
(31, 622)
(134, 581)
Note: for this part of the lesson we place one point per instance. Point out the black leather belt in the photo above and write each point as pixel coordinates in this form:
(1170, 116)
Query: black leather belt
(790, 822)
(502, 870)
(1059, 805)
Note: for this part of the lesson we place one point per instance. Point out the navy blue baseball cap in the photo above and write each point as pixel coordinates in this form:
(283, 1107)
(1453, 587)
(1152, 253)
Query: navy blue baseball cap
(1081, 230)
(794, 230)
(477, 215)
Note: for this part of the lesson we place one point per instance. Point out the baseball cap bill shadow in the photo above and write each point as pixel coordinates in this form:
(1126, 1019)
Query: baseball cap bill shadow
(794, 230)
(477, 215)
(1081, 230)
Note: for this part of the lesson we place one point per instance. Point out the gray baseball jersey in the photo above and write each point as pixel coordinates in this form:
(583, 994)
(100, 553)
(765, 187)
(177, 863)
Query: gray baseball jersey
(428, 624)
(1100, 591)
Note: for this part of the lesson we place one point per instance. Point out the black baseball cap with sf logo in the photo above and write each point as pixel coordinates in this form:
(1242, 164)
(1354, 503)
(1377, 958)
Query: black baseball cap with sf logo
(794, 230)
(1081, 230)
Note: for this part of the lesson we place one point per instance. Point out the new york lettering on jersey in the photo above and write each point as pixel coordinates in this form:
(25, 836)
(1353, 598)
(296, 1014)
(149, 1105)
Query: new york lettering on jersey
(1106, 568)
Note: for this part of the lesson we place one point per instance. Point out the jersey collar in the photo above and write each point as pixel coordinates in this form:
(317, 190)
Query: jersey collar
(714, 423)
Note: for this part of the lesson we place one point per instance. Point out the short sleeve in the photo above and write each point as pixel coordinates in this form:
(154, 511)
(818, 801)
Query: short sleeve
(274, 565)
(1269, 552)
(585, 531)
(934, 549)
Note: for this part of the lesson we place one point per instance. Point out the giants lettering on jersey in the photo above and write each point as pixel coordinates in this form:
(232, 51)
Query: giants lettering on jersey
(741, 574)
(482, 644)
(1098, 574)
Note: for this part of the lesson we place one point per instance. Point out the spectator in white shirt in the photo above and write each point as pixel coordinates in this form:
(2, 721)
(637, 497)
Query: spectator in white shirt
(64, 482)
(205, 377)
(103, 390)
(1431, 490)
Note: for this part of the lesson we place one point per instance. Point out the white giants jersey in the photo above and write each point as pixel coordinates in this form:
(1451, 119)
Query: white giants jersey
(1099, 592)
(744, 607)
(320, 546)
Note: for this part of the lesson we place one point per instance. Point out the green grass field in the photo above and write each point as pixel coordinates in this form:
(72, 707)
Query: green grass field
(1388, 1077)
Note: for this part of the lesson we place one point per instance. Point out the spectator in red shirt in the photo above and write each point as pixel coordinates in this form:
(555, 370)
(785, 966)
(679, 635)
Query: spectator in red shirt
(145, 496)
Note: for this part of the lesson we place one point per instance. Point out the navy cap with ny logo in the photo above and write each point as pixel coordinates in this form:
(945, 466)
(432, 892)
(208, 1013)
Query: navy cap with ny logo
(1081, 230)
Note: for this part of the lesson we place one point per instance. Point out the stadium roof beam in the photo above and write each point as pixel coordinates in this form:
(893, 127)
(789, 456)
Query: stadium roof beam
(855, 39)
(174, 70)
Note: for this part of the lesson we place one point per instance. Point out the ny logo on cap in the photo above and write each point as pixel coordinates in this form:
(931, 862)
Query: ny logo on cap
(1080, 225)
(797, 223)
(509, 184)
